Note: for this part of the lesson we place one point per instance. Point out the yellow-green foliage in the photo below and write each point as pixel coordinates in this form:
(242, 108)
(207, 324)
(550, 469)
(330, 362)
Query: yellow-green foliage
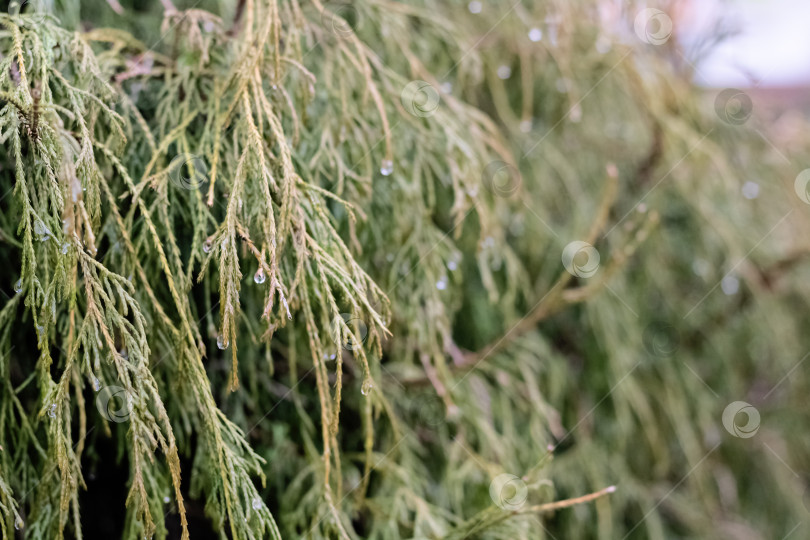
(308, 263)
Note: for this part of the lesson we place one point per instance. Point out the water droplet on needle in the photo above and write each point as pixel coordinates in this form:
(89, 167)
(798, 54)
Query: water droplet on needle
(387, 167)
(259, 276)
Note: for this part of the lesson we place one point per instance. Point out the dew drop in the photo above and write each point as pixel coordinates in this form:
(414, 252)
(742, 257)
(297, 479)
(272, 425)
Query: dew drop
(535, 34)
(575, 114)
(207, 246)
(18, 286)
(452, 265)
(504, 72)
(474, 7)
(52, 410)
(366, 387)
(257, 503)
(166, 499)
(442, 283)
(18, 523)
(387, 167)
(702, 268)
(259, 276)
(96, 384)
(730, 285)
(603, 45)
(42, 230)
(750, 190)
(40, 331)
(222, 342)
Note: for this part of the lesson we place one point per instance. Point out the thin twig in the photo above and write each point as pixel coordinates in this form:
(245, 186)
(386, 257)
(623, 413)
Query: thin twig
(557, 505)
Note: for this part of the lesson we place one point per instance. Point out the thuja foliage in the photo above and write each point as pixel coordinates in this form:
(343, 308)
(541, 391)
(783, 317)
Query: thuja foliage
(299, 262)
